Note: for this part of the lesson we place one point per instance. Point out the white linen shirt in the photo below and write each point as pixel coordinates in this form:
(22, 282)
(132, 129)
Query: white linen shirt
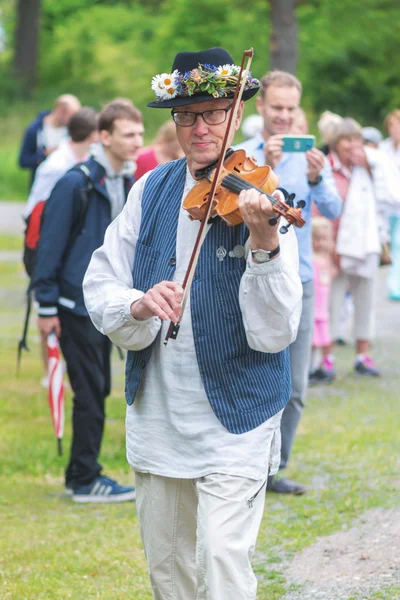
(171, 428)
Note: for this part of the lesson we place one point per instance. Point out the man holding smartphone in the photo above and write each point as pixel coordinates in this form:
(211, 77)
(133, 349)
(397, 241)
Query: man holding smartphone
(308, 176)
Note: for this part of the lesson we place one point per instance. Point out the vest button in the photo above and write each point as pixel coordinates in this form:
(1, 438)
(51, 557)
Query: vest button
(172, 261)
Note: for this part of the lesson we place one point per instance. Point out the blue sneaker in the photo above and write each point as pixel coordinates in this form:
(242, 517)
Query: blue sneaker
(103, 490)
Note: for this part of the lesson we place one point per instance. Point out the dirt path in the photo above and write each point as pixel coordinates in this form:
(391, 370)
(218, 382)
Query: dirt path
(356, 563)
(11, 219)
(350, 564)
(11, 223)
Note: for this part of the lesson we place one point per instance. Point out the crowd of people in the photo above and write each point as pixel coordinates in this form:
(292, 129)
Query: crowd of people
(212, 415)
(348, 250)
(368, 180)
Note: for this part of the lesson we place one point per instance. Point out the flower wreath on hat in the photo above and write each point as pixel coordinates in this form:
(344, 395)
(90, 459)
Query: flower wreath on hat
(219, 82)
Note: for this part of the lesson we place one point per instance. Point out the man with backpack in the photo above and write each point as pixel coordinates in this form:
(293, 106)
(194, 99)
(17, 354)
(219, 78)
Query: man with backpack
(81, 206)
(82, 133)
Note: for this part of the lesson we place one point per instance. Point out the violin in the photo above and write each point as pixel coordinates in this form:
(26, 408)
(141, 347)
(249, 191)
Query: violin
(238, 172)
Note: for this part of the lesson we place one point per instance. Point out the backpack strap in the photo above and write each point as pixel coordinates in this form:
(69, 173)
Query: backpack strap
(84, 193)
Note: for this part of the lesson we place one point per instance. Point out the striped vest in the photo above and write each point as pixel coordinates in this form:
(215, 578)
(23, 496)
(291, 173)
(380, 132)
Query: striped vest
(244, 387)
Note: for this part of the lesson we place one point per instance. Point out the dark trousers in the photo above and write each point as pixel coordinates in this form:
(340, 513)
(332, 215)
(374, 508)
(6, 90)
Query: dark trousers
(87, 354)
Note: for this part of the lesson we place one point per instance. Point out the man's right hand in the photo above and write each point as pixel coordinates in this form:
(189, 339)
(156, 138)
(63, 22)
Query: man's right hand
(163, 301)
(48, 324)
(273, 150)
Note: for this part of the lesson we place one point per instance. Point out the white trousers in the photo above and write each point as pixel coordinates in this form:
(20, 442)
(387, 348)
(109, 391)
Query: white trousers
(199, 535)
(362, 291)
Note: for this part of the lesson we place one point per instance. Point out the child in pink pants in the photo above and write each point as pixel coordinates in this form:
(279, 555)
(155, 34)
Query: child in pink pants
(322, 238)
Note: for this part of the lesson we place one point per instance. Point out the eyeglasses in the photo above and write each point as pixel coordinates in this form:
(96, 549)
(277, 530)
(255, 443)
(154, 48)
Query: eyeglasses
(211, 117)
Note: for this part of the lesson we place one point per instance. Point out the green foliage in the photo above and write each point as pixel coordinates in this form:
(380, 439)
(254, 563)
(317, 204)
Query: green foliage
(346, 57)
(97, 53)
(184, 26)
(99, 49)
(102, 48)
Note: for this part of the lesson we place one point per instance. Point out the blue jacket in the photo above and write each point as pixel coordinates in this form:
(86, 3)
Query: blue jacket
(60, 267)
(32, 153)
(292, 172)
(245, 387)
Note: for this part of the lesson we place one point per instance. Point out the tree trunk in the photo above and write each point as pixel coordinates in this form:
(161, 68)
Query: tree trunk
(26, 42)
(283, 43)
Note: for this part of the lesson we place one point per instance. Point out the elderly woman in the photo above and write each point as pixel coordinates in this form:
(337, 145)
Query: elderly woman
(327, 125)
(357, 237)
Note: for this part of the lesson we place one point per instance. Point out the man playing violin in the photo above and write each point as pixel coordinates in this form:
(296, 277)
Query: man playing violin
(204, 411)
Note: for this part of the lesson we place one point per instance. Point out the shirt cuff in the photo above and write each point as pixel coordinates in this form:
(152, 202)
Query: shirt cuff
(47, 311)
(126, 311)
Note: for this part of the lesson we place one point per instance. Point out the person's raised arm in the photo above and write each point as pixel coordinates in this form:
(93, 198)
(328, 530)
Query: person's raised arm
(323, 188)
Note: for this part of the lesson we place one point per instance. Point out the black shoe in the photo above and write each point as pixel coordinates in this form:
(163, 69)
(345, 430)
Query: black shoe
(285, 486)
(366, 367)
(321, 376)
(340, 342)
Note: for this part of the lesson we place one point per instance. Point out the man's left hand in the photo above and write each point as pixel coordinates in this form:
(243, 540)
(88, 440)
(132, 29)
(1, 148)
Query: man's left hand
(256, 210)
(315, 163)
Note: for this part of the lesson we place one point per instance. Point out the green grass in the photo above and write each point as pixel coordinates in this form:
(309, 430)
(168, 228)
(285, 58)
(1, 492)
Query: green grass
(14, 181)
(11, 242)
(50, 548)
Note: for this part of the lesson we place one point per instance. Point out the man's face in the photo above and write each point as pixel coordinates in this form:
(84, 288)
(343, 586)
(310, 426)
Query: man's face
(202, 143)
(277, 108)
(125, 140)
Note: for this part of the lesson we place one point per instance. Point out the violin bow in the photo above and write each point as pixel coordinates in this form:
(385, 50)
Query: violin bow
(173, 328)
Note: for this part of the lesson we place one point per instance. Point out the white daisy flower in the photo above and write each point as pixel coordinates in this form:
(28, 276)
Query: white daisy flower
(164, 85)
(157, 84)
(169, 92)
(225, 70)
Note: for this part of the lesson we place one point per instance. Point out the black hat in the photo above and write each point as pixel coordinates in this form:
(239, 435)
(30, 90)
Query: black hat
(198, 77)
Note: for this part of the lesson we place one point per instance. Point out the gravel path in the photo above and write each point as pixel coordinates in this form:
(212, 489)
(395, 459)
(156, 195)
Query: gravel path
(11, 220)
(356, 563)
(350, 564)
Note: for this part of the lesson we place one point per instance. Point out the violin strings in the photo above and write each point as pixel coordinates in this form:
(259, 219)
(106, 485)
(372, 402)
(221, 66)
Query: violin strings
(236, 184)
